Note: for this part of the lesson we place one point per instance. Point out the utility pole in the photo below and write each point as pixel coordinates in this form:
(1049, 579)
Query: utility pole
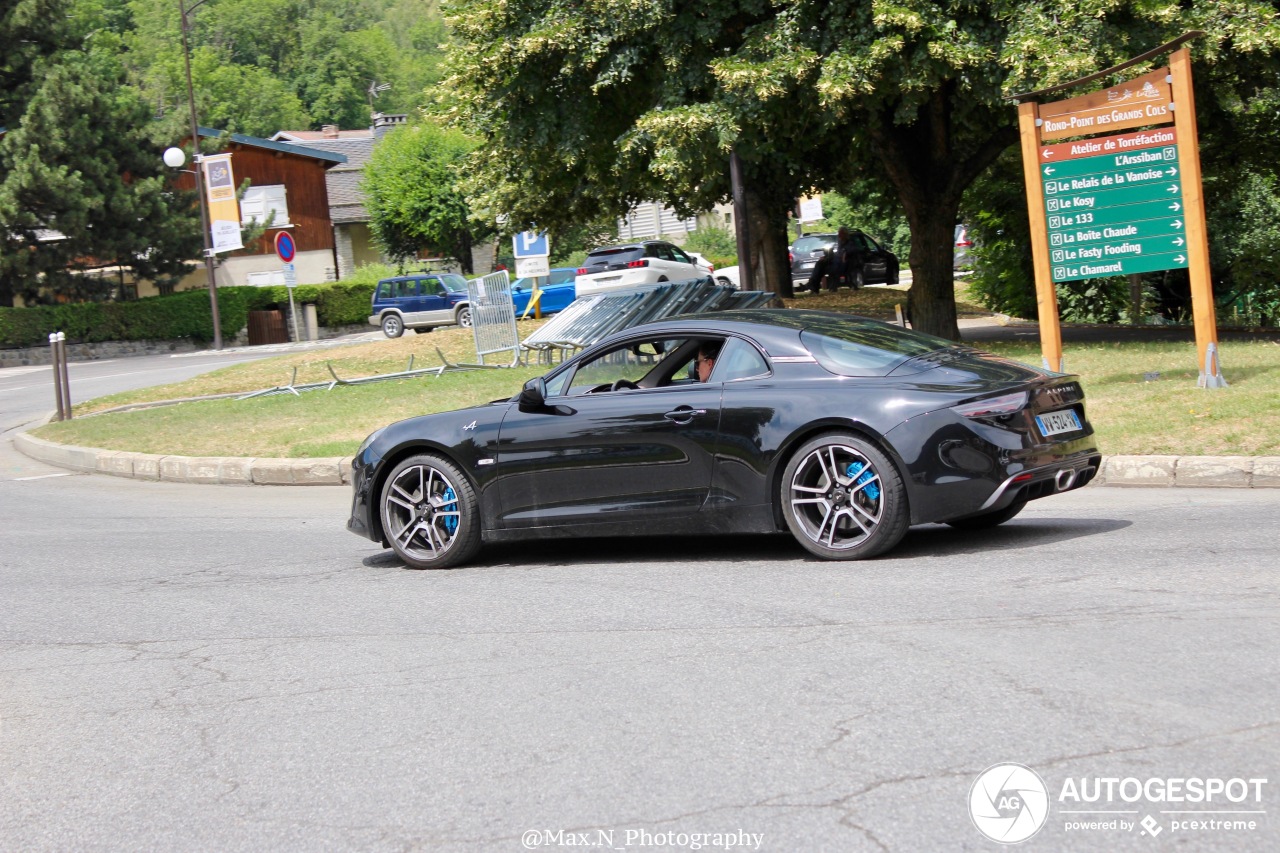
(200, 188)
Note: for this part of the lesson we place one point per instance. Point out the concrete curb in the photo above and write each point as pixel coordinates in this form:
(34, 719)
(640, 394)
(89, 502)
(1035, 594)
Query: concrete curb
(1240, 472)
(219, 470)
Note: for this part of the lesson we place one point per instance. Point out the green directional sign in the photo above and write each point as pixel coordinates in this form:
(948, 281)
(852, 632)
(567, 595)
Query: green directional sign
(1137, 161)
(1166, 226)
(1114, 214)
(1097, 217)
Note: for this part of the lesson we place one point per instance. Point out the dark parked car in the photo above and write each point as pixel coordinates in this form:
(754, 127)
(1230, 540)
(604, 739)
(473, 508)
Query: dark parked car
(840, 429)
(557, 289)
(875, 264)
(422, 301)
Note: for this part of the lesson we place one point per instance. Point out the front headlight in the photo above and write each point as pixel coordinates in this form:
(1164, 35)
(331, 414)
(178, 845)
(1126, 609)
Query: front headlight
(364, 445)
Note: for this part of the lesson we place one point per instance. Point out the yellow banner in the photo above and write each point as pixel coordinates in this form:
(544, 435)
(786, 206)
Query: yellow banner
(224, 211)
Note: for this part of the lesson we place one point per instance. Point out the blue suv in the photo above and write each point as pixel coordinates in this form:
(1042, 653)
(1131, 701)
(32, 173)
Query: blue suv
(421, 301)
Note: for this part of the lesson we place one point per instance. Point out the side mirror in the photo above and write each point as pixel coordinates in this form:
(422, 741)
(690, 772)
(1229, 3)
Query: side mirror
(533, 397)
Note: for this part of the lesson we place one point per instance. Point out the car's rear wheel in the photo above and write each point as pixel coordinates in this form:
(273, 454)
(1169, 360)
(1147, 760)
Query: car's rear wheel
(858, 280)
(989, 519)
(392, 326)
(429, 513)
(843, 499)
(464, 317)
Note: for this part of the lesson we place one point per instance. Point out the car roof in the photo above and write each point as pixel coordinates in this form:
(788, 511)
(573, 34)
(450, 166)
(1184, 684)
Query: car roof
(776, 329)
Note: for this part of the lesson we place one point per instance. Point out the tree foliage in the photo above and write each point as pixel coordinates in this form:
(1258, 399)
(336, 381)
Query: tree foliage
(587, 108)
(412, 196)
(81, 181)
(260, 66)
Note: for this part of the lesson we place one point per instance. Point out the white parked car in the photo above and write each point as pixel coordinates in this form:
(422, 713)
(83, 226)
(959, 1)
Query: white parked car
(727, 276)
(633, 264)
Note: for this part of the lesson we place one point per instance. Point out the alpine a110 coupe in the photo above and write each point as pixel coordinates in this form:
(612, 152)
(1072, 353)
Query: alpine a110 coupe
(842, 430)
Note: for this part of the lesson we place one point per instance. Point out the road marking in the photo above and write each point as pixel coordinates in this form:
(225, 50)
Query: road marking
(41, 477)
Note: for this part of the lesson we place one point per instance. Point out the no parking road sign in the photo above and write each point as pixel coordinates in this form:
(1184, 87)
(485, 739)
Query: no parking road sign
(285, 247)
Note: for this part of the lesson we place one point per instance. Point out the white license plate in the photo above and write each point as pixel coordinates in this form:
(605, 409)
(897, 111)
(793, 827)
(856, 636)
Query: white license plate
(1055, 423)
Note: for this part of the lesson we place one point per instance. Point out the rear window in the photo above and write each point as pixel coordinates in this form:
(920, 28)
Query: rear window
(614, 255)
(809, 244)
(851, 349)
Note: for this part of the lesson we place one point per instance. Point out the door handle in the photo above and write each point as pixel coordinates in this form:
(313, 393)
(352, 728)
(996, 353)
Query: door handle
(683, 414)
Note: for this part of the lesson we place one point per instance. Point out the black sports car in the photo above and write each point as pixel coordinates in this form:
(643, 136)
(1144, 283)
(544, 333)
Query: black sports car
(840, 429)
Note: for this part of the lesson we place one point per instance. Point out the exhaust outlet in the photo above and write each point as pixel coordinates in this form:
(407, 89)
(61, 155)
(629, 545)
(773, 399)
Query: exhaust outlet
(1063, 479)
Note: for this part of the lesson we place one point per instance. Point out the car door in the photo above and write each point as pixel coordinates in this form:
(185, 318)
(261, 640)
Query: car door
(436, 309)
(875, 260)
(625, 457)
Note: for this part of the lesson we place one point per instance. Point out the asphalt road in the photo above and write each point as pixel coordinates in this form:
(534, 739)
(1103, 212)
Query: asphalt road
(221, 668)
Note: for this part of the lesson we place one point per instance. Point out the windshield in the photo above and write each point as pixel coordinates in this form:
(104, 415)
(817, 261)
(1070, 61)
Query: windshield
(867, 348)
(454, 282)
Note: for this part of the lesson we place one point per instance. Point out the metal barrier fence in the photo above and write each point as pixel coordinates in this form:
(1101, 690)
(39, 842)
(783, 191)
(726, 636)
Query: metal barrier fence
(493, 316)
(590, 318)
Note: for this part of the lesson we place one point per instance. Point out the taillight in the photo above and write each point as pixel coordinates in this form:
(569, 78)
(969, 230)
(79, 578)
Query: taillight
(791, 257)
(582, 270)
(994, 407)
(711, 267)
(637, 264)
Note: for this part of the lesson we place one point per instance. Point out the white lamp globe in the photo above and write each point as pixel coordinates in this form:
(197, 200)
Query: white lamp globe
(174, 158)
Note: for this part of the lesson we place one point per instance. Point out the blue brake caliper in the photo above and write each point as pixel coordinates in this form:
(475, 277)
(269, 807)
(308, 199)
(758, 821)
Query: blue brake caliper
(862, 474)
(451, 505)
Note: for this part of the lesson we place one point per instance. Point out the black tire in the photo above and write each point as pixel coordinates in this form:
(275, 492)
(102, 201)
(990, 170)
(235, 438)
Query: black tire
(858, 280)
(392, 326)
(989, 519)
(464, 317)
(429, 513)
(837, 511)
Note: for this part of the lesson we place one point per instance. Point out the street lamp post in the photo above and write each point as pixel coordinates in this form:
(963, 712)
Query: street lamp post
(199, 173)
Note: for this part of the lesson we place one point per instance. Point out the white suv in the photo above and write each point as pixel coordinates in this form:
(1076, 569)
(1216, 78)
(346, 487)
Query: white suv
(633, 264)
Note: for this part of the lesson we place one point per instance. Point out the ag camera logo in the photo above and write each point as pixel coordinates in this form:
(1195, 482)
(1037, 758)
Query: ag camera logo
(1008, 803)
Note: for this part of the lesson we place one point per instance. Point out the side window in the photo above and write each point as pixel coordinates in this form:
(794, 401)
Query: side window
(631, 361)
(862, 243)
(739, 360)
(678, 254)
(432, 287)
(654, 250)
(562, 276)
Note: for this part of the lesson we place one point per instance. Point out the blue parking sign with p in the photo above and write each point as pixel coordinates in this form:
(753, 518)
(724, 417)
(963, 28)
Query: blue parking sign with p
(531, 244)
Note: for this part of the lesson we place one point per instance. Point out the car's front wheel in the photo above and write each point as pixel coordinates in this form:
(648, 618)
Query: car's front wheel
(464, 317)
(392, 326)
(429, 513)
(843, 499)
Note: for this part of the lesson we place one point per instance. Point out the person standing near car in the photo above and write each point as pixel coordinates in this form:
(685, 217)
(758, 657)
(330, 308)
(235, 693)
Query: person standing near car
(836, 264)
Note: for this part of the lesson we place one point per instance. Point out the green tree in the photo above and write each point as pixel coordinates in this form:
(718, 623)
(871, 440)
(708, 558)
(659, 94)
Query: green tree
(81, 180)
(412, 196)
(589, 108)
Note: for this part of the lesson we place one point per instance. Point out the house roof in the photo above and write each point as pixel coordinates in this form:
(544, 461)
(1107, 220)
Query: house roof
(328, 157)
(317, 135)
(346, 200)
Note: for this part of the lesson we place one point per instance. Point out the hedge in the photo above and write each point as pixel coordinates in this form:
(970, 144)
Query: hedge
(178, 316)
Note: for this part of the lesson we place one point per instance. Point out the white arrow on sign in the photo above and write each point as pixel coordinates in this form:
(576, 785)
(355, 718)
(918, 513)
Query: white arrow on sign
(1048, 170)
(1175, 206)
(1173, 188)
(1047, 154)
(1178, 241)
(1173, 171)
(1177, 223)
(1182, 259)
